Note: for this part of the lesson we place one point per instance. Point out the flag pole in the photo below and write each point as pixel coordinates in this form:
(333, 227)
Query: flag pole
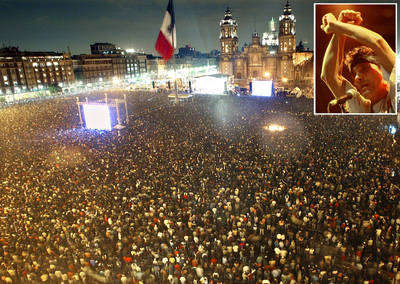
(173, 59)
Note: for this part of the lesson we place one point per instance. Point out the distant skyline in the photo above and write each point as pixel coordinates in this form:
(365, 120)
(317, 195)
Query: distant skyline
(53, 25)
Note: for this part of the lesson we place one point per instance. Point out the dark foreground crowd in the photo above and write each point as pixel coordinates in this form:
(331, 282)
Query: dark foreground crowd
(198, 192)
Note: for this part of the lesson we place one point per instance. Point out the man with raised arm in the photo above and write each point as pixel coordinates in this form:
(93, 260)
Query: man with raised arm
(372, 66)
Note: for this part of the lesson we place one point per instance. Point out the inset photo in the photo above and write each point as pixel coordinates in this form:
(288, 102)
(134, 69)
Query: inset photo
(355, 58)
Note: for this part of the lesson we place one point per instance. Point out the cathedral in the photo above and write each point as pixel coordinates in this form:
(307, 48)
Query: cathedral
(275, 58)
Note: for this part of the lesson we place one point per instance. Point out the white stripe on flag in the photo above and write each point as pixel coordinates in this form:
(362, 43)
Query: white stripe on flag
(164, 29)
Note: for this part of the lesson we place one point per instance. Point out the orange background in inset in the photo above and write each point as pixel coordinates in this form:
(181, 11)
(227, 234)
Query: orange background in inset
(378, 18)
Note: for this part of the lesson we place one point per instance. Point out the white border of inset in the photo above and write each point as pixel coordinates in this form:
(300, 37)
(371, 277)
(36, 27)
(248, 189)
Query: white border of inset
(315, 70)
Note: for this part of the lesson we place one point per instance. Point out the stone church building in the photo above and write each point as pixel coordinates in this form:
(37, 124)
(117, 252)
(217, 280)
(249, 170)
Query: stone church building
(286, 66)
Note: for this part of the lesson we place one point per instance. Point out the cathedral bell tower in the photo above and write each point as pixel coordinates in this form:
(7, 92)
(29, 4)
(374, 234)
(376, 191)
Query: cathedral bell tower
(287, 31)
(228, 42)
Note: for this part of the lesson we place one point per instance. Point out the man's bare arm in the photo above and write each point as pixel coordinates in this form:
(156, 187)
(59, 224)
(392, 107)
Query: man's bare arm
(383, 51)
(331, 72)
(332, 64)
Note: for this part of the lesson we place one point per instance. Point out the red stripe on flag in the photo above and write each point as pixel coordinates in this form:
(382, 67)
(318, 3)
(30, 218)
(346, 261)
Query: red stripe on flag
(164, 47)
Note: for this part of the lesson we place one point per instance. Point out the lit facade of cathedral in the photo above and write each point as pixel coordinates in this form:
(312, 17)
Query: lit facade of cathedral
(278, 61)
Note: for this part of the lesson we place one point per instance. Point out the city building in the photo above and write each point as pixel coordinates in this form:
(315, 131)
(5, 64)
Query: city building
(136, 64)
(99, 68)
(279, 62)
(228, 42)
(103, 48)
(270, 38)
(187, 50)
(23, 71)
(287, 30)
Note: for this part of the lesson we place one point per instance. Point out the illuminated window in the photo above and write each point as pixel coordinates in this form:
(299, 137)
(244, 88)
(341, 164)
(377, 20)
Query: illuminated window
(5, 78)
(48, 63)
(55, 63)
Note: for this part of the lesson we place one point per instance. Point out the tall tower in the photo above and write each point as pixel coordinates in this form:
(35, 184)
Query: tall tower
(228, 37)
(228, 42)
(287, 31)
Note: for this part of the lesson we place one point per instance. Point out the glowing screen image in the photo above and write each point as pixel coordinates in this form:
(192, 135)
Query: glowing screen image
(262, 88)
(97, 116)
(210, 85)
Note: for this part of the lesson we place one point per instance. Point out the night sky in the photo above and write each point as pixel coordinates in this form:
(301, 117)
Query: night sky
(52, 25)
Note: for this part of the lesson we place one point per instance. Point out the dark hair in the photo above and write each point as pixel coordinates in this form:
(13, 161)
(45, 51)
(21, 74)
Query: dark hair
(358, 55)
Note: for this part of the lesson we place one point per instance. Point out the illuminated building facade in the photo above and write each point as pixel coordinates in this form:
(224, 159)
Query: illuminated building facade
(270, 38)
(104, 48)
(258, 61)
(100, 68)
(22, 71)
(228, 42)
(287, 30)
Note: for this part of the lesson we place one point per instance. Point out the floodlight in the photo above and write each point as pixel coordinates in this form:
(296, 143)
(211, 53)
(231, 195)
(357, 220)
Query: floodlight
(97, 116)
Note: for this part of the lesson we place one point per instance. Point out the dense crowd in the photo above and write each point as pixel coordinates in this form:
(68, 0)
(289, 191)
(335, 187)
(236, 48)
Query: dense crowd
(198, 192)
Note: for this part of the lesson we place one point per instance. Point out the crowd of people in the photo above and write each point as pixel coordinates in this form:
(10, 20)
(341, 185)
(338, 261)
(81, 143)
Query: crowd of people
(198, 192)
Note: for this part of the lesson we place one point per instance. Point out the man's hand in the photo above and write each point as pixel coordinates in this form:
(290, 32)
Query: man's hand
(363, 103)
(350, 17)
(327, 21)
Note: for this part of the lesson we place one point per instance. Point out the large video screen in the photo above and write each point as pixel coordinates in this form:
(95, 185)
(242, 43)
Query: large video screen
(97, 116)
(210, 85)
(262, 88)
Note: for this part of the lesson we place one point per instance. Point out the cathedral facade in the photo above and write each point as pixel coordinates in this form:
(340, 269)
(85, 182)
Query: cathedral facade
(261, 61)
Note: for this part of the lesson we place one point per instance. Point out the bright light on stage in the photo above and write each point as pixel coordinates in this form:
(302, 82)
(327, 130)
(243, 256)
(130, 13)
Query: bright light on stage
(275, 128)
(262, 88)
(97, 116)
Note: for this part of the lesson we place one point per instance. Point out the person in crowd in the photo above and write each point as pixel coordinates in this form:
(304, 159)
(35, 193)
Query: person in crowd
(198, 192)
